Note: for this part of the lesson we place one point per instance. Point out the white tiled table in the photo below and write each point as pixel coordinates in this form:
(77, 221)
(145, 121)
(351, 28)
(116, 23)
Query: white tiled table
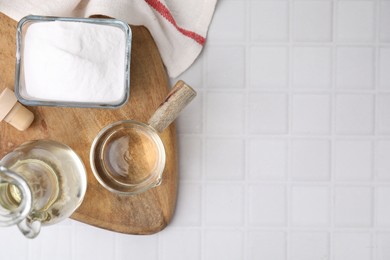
(285, 153)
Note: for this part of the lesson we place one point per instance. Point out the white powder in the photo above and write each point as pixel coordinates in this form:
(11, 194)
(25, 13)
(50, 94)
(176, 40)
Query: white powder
(74, 62)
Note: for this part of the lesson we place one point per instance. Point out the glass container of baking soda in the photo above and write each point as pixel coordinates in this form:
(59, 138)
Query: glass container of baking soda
(41, 183)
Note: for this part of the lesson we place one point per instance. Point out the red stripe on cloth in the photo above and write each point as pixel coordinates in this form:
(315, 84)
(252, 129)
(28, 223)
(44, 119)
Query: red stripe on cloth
(164, 11)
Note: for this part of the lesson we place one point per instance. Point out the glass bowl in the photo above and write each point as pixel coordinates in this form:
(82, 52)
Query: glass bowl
(22, 82)
(128, 157)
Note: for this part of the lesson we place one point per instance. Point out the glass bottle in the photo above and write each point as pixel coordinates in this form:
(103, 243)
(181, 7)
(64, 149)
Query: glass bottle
(41, 183)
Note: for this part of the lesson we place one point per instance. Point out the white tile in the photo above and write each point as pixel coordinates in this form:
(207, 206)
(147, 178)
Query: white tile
(225, 67)
(311, 114)
(310, 206)
(190, 159)
(384, 27)
(66, 222)
(382, 162)
(355, 68)
(353, 206)
(45, 247)
(312, 21)
(180, 244)
(352, 245)
(384, 68)
(190, 120)
(15, 243)
(354, 114)
(267, 205)
(382, 119)
(311, 67)
(223, 27)
(382, 247)
(267, 113)
(269, 21)
(310, 160)
(268, 67)
(267, 159)
(266, 245)
(130, 246)
(355, 21)
(224, 113)
(353, 160)
(193, 76)
(224, 205)
(95, 243)
(189, 203)
(223, 244)
(382, 210)
(309, 245)
(224, 159)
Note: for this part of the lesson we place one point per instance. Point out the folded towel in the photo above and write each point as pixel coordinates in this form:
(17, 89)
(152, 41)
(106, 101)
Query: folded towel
(178, 27)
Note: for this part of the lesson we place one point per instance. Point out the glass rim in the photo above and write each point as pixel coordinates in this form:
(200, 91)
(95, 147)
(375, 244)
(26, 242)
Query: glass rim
(23, 209)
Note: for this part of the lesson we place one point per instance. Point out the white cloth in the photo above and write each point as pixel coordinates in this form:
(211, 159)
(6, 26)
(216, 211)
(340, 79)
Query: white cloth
(178, 27)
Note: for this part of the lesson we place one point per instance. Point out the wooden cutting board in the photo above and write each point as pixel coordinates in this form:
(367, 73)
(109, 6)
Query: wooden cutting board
(146, 213)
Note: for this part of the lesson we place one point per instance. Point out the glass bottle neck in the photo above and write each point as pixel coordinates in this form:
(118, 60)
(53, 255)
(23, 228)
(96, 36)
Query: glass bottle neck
(15, 198)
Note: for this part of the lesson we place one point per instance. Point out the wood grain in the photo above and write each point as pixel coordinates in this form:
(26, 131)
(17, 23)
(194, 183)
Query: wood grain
(145, 213)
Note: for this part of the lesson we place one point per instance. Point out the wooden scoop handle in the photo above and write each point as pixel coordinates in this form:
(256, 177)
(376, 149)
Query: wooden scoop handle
(178, 98)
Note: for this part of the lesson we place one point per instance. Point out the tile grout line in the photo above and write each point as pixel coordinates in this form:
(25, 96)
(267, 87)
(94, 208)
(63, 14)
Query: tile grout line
(282, 228)
(376, 31)
(300, 90)
(247, 82)
(288, 177)
(333, 101)
(299, 43)
(204, 150)
(73, 242)
(294, 136)
(116, 257)
(159, 246)
(384, 183)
